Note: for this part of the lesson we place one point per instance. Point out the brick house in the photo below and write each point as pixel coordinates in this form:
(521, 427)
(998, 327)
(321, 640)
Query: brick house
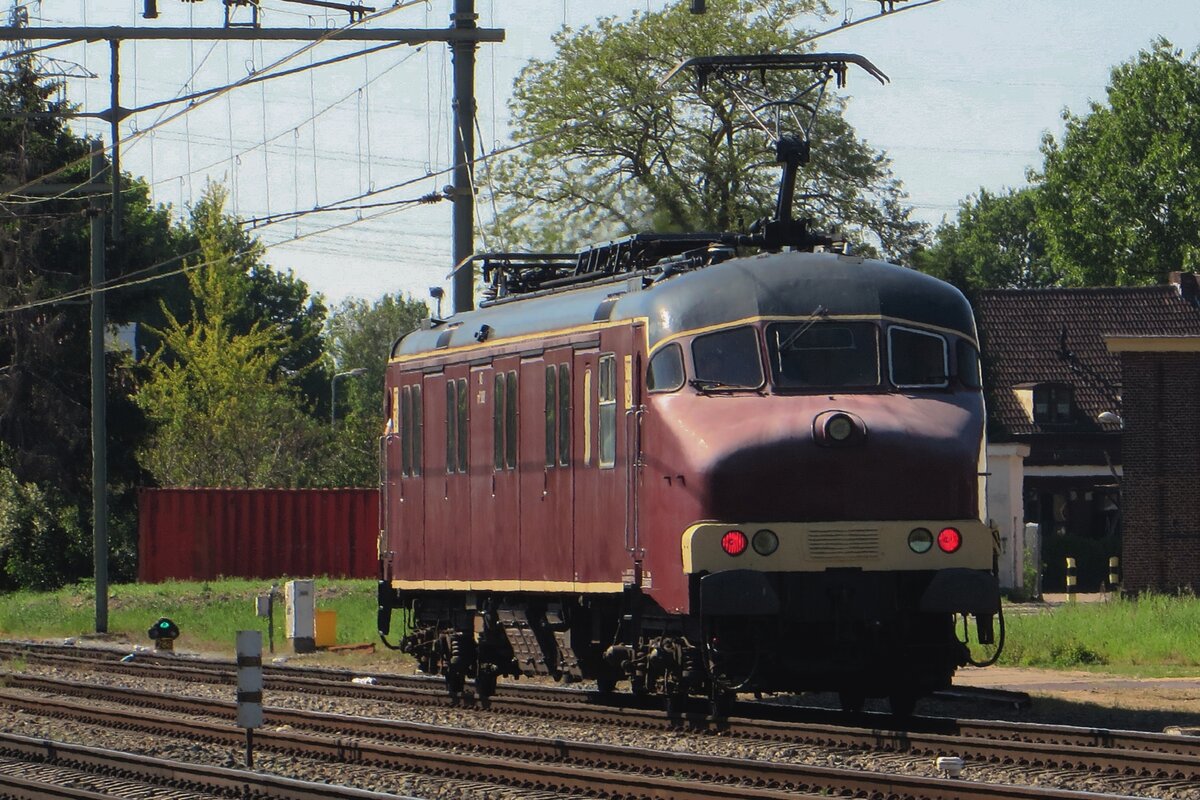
(1161, 485)
(1057, 401)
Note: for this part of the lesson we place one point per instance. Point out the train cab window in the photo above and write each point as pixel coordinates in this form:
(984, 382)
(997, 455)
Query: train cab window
(456, 425)
(504, 421)
(665, 373)
(918, 359)
(808, 354)
(727, 359)
(607, 401)
(968, 365)
(558, 415)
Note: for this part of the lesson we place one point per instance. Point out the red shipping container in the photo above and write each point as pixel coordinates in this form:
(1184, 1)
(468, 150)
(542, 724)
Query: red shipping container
(201, 534)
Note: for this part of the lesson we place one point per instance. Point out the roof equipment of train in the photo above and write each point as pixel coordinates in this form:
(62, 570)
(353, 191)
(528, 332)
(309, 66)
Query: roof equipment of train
(658, 255)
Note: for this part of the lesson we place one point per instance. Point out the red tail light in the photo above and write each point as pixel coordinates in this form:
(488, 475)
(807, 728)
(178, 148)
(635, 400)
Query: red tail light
(949, 539)
(734, 543)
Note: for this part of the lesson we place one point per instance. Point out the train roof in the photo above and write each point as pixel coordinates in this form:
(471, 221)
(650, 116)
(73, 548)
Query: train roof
(767, 285)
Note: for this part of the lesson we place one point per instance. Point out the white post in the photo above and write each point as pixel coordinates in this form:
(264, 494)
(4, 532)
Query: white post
(250, 687)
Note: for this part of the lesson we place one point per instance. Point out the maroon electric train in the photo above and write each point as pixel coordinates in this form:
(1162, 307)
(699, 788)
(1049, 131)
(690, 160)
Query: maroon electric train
(669, 462)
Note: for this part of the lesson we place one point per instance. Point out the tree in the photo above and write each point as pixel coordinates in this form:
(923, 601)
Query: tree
(611, 152)
(277, 299)
(360, 334)
(995, 242)
(1119, 196)
(222, 409)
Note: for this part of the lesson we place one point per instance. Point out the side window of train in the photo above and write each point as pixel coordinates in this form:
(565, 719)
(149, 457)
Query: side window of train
(504, 421)
(665, 373)
(917, 359)
(462, 424)
(607, 402)
(510, 422)
(498, 421)
(728, 358)
(456, 425)
(408, 413)
(418, 430)
(406, 431)
(968, 365)
(564, 415)
(558, 415)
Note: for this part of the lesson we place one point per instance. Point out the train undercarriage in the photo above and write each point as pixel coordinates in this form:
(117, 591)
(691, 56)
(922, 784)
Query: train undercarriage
(857, 634)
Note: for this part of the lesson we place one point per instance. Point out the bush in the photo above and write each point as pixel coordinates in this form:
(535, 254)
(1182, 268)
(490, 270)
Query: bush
(44, 539)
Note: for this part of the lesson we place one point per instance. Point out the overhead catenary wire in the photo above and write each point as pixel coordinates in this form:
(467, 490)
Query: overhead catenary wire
(170, 118)
(392, 207)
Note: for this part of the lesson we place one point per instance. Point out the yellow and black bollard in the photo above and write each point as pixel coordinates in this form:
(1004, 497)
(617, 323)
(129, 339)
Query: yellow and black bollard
(1070, 579)
(1114, 572)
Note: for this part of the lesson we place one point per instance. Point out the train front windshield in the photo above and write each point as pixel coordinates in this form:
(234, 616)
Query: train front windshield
(806, 355)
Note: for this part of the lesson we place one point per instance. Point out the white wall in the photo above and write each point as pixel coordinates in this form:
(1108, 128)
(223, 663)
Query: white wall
(1006, 508)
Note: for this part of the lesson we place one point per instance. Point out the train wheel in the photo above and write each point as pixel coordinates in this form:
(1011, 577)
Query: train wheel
(721, 705)
(606, 684)
(455, 681)
(485, 685)
(903, 703)
(852, 701)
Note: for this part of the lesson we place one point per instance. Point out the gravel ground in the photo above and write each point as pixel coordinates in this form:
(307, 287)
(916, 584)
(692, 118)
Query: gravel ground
(435, 788)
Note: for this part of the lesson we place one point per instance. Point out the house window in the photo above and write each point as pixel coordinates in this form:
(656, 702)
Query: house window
(1053, 403)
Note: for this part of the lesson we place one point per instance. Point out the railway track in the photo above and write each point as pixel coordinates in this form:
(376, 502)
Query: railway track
(527, 763)
(1134, 749)
(37, 769)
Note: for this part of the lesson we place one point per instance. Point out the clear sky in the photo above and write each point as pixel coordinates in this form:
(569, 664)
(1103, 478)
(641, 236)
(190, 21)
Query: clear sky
(974, 86)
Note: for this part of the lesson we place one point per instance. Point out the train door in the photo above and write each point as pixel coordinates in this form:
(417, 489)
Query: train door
(605, 531)
(547, 546)
(494, 546)
(404, 493)
(447, 487)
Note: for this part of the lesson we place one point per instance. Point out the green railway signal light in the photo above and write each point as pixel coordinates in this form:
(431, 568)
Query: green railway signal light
(163, 629)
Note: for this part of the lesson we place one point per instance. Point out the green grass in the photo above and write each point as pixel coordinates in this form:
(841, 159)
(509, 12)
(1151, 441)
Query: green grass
(208, 614)
(1152, 635)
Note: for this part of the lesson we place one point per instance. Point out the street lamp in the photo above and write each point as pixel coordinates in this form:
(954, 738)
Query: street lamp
(356, 372)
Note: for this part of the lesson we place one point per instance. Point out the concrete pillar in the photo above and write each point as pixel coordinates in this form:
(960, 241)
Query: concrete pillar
(1006, 508)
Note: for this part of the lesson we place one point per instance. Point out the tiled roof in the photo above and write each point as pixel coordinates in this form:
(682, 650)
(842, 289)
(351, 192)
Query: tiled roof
(1025, 332)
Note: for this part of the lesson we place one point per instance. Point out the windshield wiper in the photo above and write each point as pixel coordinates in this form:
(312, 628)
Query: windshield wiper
(707, 385)
(816, 314)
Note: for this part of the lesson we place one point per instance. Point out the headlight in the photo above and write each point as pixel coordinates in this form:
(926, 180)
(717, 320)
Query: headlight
(839, 428)
(920, 540)
(765, 542)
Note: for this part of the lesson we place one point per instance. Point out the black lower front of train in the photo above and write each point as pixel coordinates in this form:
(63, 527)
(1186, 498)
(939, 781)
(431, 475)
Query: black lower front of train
(861, 634)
